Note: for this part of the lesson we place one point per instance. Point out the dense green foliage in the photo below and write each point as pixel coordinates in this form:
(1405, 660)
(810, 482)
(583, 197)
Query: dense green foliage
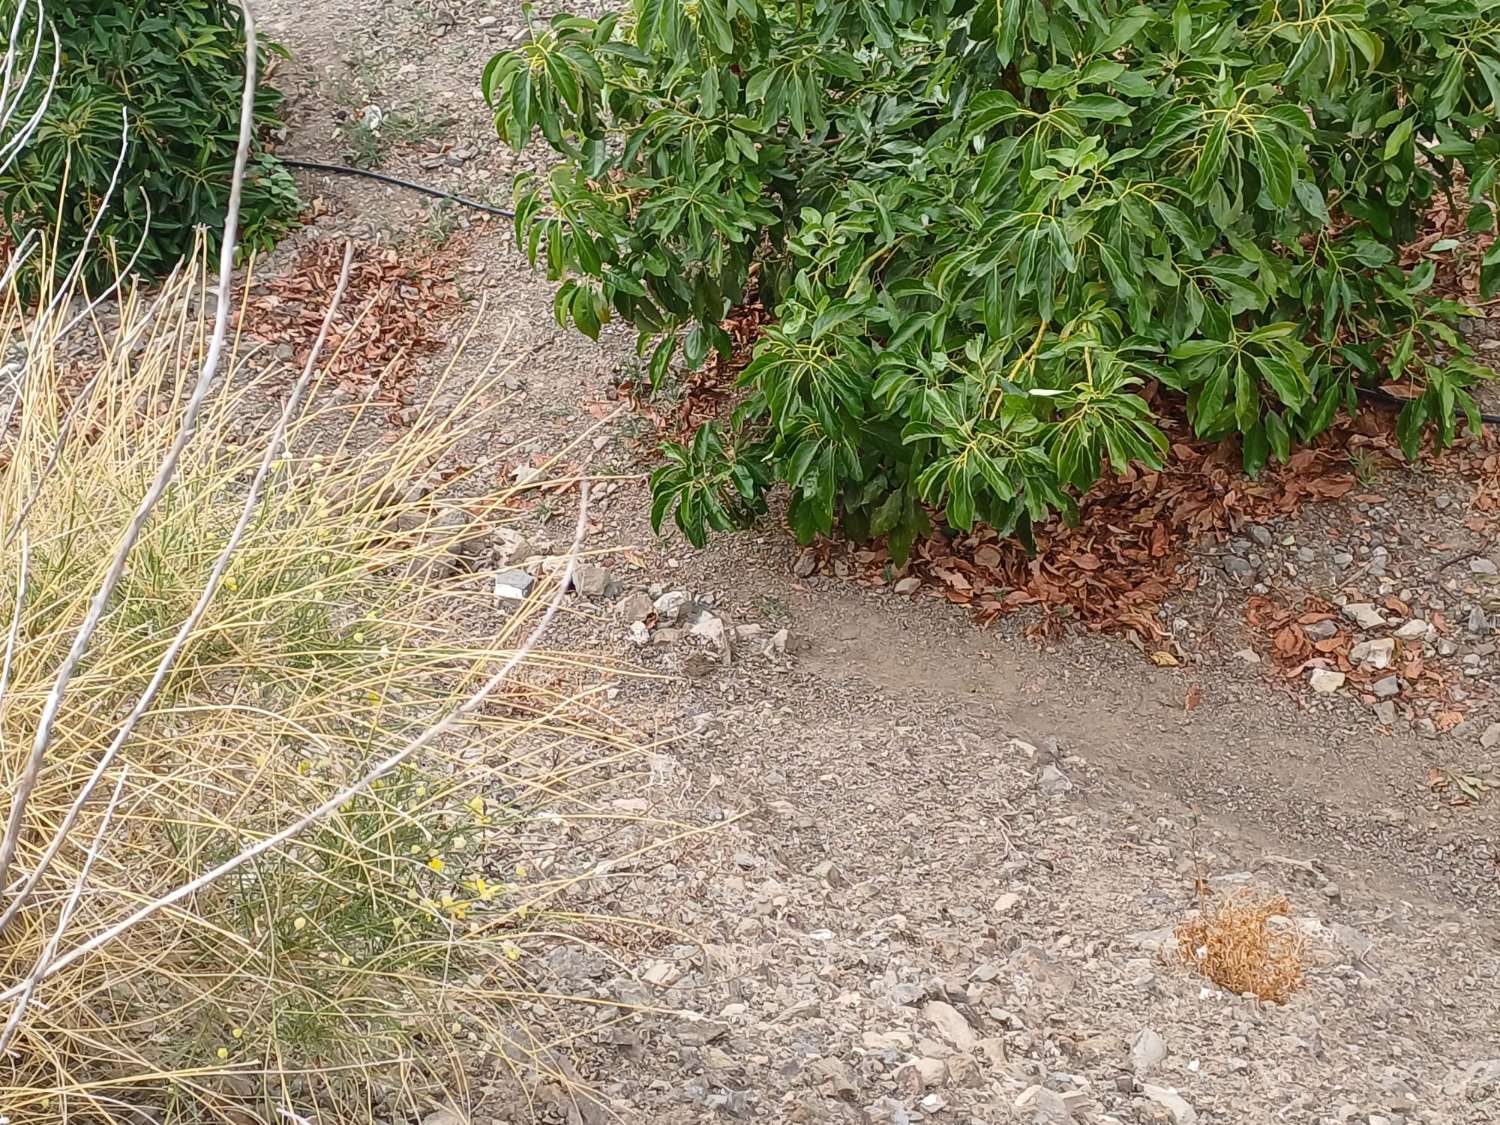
(177, 67)
(982, 227)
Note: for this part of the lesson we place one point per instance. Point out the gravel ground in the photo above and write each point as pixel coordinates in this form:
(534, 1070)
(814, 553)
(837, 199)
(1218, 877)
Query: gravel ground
(949, 860)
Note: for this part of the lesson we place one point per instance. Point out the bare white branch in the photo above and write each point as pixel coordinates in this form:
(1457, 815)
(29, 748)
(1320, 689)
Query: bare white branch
(49, 953)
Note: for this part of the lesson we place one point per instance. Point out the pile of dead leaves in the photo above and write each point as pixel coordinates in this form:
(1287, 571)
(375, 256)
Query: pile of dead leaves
(396, 308)
(1126, 552)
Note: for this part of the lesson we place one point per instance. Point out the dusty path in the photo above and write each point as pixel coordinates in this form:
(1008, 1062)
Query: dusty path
(914, 918)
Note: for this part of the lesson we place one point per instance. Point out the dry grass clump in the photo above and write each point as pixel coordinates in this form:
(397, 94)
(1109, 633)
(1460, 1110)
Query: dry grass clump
(359, 967)
(1232, 944)
(279, 838)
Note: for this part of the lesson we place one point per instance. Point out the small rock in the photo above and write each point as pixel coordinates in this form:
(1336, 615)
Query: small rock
(1319, 630)
(1260, 534)
(593, 581)
(1237, 567)
(924, 1073)
(887, 1111)
(445, 1116)
(1386, 687)
(1491, 736)
(1053, 782)
(634, 607)
(670, 605)
(1374, 654)
(886, 1041)
(950, 1024)
(1182, 1113)
(1483, 566)
(1050, 1108)
(1325, 681)
(1147, 1051)
(908, 585)
(1363, 614)
(701, 1032)
(806, 563)
(1248, 656)
(1385, 712)
(1306, 554)
(513, 585)
(776, 644)
(829, 873)
(711, 628)
(1478, 624)
(1413, 630)
(639, 634)
(1007, 902)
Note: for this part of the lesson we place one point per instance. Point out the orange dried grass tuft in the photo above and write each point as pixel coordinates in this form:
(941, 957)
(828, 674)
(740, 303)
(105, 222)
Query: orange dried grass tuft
(1231, 944)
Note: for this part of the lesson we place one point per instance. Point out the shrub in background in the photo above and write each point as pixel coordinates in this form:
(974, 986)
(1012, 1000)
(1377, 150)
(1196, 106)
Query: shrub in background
(983, 226)
(177, 67)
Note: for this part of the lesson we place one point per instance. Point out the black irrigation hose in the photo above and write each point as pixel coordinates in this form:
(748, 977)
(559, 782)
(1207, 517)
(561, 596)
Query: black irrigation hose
(396, 181)
(438, 193)
(1391, 400)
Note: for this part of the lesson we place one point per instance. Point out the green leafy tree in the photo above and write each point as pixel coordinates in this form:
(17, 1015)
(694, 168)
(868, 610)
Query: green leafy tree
(984, 226)
(177, 68)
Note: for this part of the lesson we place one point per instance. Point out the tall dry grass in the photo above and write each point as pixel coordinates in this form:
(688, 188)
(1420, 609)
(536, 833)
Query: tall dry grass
(281, 836)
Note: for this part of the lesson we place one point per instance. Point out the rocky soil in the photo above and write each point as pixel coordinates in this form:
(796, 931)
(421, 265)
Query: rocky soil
(947, 862)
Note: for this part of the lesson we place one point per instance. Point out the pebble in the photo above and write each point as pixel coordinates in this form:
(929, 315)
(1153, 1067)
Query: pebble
(513, 585)
(1171, 1101)
(1053, 782)
(1260, 534)
(635, 608)
(806, 563)
(593, 581)
(1479, 622)
(1325, 681)
(670, 605)
(1248, 656)
(1374, 654)
(1412, 630)
(1306, 554)
(1147, 1051)
(950, 1024)
(1491, 736)
(1385, 712)
(1050, 1108)
(1237, 567)
(1483, 566)
(1320, 630)
(1363, 614)
(1386, 687)
(907, 585)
